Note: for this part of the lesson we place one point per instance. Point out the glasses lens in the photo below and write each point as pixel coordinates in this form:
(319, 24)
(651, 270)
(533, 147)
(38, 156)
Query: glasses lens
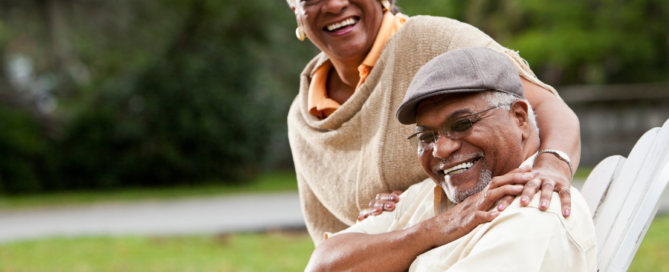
(459, 128)
(423, 139)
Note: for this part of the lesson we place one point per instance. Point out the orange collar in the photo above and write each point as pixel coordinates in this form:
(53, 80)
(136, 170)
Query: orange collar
(319, 103)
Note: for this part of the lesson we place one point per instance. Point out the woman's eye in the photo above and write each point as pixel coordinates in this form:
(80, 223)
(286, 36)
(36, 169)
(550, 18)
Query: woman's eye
(461, 125)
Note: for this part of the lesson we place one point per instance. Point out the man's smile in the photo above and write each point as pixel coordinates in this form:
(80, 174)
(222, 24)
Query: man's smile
(459, 168)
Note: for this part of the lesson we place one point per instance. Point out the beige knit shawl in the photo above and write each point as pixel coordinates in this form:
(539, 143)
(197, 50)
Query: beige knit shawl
(360, 150)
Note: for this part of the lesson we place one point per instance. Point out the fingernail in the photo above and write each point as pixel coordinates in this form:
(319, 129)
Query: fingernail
(360, 218)
(544, 204)
(566, 212)
(394, 198)
(528, 176)
(500, 207)
(390, 205)
(494, 214)
(518, 187)
(377, 210)
(526, 167)
(523, 199)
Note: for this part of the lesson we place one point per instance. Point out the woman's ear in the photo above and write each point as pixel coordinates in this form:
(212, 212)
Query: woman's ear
(520, 115)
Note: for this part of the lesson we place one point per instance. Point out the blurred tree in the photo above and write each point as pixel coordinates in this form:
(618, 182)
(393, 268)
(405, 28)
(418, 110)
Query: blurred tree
(578, 41)
(99, 94)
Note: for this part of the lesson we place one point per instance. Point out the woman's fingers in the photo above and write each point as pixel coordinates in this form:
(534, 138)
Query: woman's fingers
(546, 193)
(511, 178)
(389, 197)
(382, 202)
(531, 188)
(565, 199)
(367, 212)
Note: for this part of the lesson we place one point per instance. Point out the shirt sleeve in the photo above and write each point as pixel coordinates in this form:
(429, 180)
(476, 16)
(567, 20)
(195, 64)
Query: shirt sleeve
(524, 240)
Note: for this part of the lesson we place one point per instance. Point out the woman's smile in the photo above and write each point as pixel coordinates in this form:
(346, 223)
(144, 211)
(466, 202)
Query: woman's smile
(342, 27)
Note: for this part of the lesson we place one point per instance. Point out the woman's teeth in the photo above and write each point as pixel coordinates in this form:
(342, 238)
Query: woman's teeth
(459, 168)
(347, 22)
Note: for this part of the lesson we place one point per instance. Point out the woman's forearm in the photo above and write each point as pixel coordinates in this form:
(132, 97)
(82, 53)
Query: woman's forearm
(558, 127)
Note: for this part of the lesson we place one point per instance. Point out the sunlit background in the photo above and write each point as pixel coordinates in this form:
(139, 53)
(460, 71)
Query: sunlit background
(129, 101)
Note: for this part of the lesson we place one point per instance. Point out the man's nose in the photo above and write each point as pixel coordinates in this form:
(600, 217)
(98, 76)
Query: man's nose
(444, 147)
(334, 6)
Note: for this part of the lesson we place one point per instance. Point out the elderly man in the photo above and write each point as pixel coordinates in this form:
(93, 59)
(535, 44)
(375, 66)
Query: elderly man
(477, 139)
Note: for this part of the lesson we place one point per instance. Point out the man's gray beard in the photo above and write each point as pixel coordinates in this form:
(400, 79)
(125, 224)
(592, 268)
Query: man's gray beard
(460, 195)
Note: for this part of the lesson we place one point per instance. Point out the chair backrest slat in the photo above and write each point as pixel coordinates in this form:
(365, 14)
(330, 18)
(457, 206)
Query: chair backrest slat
(623, 211)
(596, 186)
(632, 240)
(619, 189)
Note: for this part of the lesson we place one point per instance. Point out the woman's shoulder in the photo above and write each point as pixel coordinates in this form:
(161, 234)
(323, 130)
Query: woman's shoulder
(426, 23)
(440, 32)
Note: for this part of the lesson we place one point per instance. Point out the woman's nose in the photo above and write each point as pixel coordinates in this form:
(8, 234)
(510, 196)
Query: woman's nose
(444, 147)
(334, 6)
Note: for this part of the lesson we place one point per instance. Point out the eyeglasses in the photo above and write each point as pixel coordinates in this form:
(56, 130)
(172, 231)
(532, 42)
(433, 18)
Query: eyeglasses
(454, 129)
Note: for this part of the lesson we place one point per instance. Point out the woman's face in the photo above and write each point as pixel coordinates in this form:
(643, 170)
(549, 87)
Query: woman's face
(342, 29)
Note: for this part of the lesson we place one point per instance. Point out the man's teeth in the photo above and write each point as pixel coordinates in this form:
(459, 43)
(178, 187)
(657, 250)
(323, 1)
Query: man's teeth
(347, 22)
(459, 168)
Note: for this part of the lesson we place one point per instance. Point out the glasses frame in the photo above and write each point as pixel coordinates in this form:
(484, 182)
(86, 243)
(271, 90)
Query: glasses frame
(446, 127)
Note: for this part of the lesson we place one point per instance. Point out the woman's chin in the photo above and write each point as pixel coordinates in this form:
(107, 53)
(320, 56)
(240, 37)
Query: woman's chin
(353, 47)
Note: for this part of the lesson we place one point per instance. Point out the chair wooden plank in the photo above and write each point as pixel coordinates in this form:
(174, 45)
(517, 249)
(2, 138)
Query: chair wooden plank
(640, 223)
(619, 188)
(637, 191)
(597, 184)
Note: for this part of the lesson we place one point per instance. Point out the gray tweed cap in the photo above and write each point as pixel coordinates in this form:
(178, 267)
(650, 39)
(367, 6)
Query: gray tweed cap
(472, 69)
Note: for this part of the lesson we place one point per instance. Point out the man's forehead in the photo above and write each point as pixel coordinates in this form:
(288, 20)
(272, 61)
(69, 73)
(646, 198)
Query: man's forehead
(435, 110)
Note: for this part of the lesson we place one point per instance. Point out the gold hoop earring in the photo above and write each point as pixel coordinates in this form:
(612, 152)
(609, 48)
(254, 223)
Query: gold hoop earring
(300, 33)
(386, 5)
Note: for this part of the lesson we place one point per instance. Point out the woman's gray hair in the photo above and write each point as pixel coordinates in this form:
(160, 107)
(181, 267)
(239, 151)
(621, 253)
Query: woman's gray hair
(395, 9)
(504, 101)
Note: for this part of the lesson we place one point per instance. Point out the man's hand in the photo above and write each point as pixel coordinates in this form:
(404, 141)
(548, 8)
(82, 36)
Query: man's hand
(464, 217)
(382, 203)
(551, 176)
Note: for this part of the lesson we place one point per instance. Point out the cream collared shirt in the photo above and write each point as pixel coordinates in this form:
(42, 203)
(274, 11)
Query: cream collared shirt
(519, 239)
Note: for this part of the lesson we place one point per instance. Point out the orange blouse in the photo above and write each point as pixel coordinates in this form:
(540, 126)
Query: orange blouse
(319, 103)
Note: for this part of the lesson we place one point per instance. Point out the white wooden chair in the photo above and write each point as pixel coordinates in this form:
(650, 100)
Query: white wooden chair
(624, 195)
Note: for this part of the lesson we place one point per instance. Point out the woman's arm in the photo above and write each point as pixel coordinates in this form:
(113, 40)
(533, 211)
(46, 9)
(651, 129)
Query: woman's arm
(559, 130)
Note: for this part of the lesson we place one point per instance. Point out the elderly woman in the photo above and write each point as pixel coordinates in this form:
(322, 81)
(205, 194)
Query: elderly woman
(346, 144)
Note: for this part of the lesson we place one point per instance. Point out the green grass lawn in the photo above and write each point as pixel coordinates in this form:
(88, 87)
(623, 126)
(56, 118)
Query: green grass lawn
(238, 252)
(270, 182)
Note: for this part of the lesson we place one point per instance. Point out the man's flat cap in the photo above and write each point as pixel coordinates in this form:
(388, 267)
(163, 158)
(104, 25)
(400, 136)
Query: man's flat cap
(472, 69)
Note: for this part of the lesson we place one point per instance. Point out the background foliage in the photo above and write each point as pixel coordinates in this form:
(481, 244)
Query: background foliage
(106, 94)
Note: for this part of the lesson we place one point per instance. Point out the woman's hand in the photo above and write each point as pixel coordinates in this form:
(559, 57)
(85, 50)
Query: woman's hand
(551, 176)
(382, 202)
(475, 210)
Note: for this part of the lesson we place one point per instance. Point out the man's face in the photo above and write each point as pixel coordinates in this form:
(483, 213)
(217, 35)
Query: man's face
(491, 148)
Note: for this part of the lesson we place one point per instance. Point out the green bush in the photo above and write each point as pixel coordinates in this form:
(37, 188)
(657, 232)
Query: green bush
(22, 150)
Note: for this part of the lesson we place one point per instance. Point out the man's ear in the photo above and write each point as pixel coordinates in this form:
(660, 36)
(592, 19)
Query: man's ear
(520, 114)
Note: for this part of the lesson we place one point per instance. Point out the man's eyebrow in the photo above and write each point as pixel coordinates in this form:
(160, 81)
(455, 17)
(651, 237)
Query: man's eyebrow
(455, 114)
(458, 113)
